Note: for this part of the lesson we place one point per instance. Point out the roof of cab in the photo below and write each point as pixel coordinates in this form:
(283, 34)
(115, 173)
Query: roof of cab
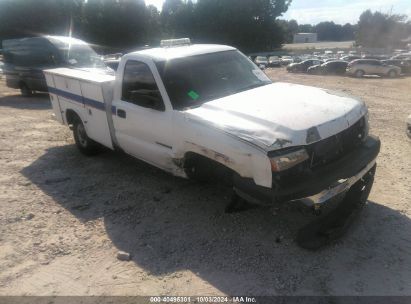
(167, 53)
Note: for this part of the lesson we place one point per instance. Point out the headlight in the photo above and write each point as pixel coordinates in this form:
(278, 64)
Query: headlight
(288, 160)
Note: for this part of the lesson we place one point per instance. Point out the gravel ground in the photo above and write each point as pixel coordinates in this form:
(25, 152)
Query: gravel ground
(64, 217)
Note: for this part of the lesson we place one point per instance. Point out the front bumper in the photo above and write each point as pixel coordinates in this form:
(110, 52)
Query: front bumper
(337, 188)
(320, 186)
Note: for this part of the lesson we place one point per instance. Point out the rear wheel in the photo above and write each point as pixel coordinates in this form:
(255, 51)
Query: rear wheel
(359, 73)
(86, 145)
(25, 90)
(392, 74)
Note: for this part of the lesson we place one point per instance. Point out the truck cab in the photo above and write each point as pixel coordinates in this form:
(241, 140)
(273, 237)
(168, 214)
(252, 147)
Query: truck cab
(201, 111)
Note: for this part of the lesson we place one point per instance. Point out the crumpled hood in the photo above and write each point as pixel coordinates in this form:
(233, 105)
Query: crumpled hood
(281, 114)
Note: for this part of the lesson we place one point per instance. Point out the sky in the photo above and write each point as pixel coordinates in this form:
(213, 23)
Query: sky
(339, 11)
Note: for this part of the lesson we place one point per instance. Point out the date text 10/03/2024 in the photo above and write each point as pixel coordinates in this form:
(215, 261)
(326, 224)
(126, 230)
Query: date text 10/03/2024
(205, 299)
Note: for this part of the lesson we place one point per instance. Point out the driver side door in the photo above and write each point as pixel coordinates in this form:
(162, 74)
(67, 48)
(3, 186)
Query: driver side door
(143, 126)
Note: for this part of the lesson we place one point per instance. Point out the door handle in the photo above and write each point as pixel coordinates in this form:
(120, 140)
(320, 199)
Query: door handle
(121, 113)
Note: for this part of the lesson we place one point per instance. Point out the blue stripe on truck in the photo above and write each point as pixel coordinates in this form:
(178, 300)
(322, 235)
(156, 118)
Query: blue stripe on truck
(80, 99)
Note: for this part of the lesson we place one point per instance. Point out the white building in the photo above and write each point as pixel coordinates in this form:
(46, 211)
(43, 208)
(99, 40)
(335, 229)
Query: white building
(305, 38)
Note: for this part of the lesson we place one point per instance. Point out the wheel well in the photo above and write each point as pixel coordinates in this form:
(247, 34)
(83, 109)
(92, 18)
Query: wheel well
(71, 116)
(359, 71)
(206, 168)
(23, 83)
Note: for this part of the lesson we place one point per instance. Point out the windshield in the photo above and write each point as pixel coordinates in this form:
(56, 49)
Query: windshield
(192, 81)
(82, 56)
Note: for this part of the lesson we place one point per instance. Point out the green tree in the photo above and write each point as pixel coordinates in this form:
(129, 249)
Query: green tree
(382, 30)
(250, 25)
(305, 28)
(247, 24)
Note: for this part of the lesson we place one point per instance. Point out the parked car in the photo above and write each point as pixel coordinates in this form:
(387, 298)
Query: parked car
(361, 67)
(408, 126)
(26, 58)
(337, 67)
(112, 64)
(1, 68)
(303, 66)
(286, 60)
(350, 58)
(224, 120)
(261, 62)
(297, 59)
(376, 57)
(404, 65)
(274, 61)
(112, 60)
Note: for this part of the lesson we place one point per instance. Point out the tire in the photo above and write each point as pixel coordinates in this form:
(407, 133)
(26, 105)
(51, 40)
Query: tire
(392, 74)
(25, 90)
(198, 169)
(359, 73)
(86, 145)
(204, 170)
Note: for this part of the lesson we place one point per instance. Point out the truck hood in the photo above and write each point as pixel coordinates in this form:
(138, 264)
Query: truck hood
(280, 115)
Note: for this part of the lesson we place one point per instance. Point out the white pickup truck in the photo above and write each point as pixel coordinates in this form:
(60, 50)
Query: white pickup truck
(206, 110)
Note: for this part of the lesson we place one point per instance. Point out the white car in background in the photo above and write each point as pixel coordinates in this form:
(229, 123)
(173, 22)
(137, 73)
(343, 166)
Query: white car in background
(286, 60)
(274, 61)
(261, 62)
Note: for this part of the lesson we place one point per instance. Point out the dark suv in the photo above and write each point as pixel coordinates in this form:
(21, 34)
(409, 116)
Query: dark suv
(303, 66)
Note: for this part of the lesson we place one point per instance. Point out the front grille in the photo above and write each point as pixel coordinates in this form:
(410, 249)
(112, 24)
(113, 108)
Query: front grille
(335, 147)
(323, 153)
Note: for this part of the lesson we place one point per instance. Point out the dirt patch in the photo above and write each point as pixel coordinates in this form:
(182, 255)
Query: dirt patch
(64, 217)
